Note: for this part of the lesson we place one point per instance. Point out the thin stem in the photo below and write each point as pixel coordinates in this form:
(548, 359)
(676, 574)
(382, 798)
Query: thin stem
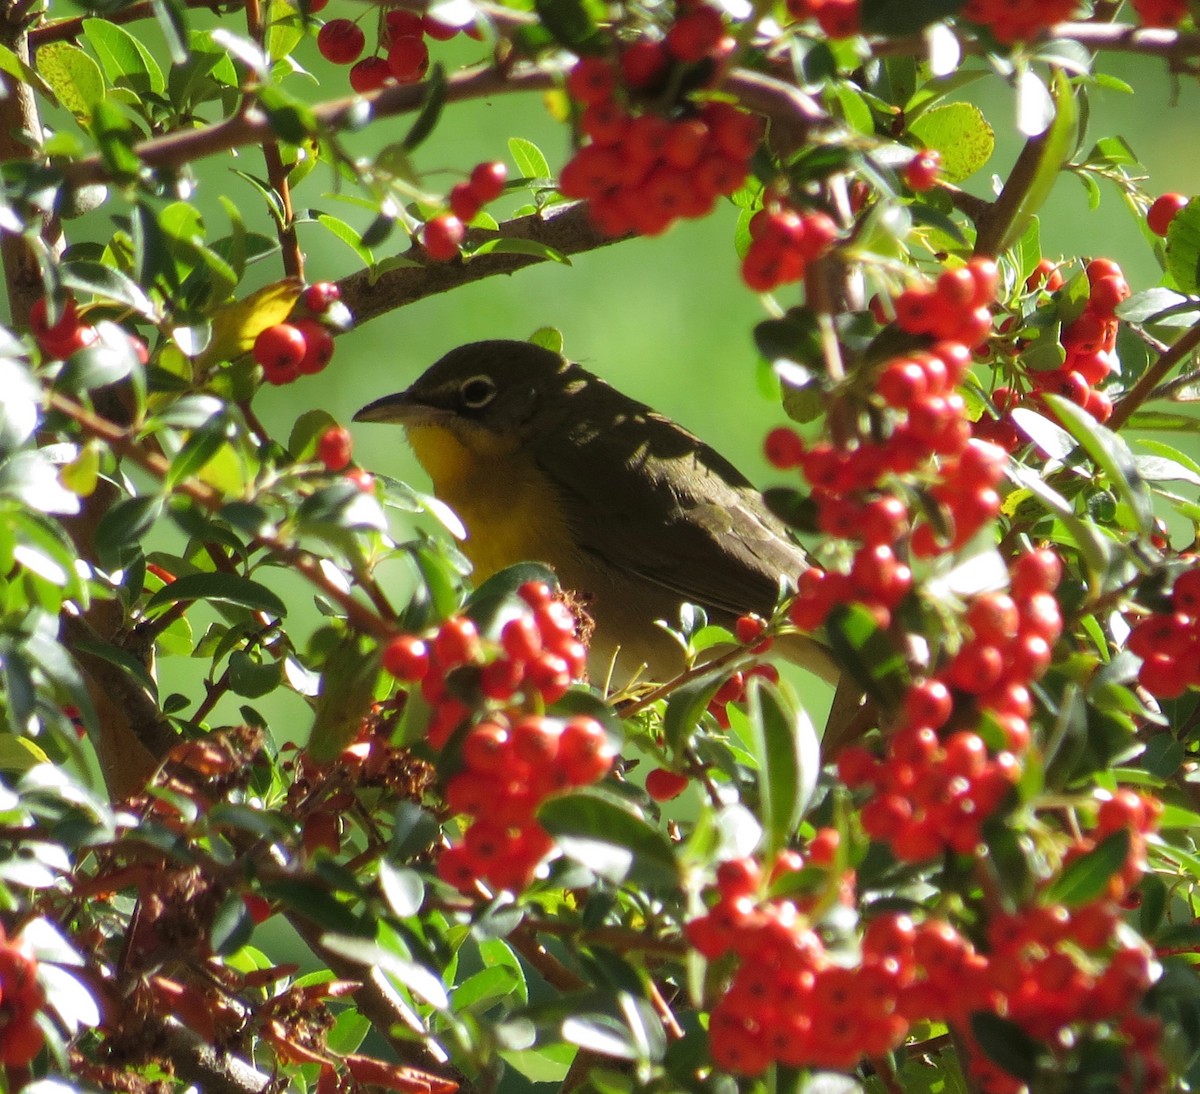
(1150, 379)
(277, 172)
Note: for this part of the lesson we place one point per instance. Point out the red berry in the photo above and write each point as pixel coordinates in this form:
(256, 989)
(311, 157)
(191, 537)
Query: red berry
(592, 80)
(442, 236)
(784, 449)
(334, 447)
(280, 349)
(440, 32)
(21, 1039)
(406, 658)
(456, 642)
(487, 180)
(643, 63)
(695, 34)
(921, 172)
(401, 23)
(320, 296)
(408, 58)
(370, 74)
(1102, 267)
(1046, 275)
(584, 752)
(318, 346)
(663, 785)
(1164, 210)
(362, 478)
(464, 202)
(341, 41)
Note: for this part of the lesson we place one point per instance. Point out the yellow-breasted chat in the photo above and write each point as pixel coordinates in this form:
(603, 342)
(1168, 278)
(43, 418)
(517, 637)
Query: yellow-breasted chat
(545, 462)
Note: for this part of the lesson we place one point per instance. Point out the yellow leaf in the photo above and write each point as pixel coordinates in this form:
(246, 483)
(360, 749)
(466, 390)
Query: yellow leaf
(19, 753)
(236, 325)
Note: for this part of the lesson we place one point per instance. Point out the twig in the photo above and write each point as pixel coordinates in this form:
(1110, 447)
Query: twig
(67, 30)
(1152, 377)
(993, 224)
(277, 174)
(125, 444)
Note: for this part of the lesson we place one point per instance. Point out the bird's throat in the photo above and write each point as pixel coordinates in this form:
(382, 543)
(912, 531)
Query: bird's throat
(510, 509)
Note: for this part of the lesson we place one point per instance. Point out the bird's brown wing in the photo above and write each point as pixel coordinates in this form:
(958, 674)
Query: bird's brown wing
(671, 510)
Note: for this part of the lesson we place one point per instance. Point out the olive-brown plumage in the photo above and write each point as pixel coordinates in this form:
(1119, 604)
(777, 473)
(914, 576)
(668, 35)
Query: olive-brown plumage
(544, 461)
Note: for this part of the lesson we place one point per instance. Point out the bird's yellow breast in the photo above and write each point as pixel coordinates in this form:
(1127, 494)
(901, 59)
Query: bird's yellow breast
(510, 509)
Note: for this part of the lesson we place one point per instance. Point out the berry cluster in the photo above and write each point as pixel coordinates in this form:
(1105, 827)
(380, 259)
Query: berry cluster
(783, 241)
(836, 18)
(66, 336)
(509, 768)
(402, 38)
(512, 759)
(1089, 341)
(641, 169)
(443, 234)
(1017, 20)
(914, 424)
(953, 756)
(1058, 972)
(1169, 642)
(69, 333)
(302, 346)
(21, 1038)
(1161, 13)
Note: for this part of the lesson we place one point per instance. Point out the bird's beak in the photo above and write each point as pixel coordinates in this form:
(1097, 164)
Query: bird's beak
(399, 409)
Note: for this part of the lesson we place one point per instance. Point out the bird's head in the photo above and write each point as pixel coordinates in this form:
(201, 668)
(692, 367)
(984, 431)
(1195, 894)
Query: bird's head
(487, 395)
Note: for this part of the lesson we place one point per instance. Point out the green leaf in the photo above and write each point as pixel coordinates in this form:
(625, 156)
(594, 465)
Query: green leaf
(570, 23)
(347, 235)
(431, 109)
(509, 246)
(867, 652)
(76, 79)
(1111, 454)
(1085, 878)
(686, 706)
(19, 409)
(225, 588)
(529, 158)
(789, 760)
(1007, 1044)
(1183, 248)
(125, 60)
(108, 284)
(611, 838)
(123, 527)
(1056, 144)
(960, 134)
(347, 691)
(199, 448)
(251, 678)
(1161, 306)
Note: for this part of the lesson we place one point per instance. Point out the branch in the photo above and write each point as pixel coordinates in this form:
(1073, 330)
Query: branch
(562, 228)
(253, 126)
(992, 225)
(1152, 377)
(67, 30)
(1170, 45)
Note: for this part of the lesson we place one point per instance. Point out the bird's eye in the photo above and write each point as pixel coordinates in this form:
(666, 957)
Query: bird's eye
(477, 392)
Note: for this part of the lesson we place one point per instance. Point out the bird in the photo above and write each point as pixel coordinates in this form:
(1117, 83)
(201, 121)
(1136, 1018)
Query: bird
(544, 461)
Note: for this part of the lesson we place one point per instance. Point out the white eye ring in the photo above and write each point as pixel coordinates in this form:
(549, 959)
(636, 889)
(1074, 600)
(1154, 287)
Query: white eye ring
(477, 392)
